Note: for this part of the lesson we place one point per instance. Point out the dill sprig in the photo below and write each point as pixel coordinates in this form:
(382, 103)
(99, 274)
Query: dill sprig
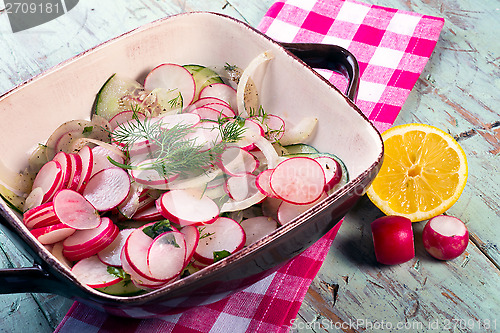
(175, 151)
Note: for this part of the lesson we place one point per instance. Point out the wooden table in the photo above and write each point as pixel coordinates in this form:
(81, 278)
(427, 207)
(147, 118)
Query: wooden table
(459, 92)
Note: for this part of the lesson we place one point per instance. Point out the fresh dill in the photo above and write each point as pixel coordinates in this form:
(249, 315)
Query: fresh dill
(177, 151)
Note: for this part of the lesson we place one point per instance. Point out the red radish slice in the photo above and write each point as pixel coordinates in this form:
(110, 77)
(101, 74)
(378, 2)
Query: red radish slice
(205, 135)
(288, 211)
(224, 234)
(237, 162)
(34, 199)
(144, 174)
(204, 101)
(139, 280)
(38, 211)
(86, 239)
(49, 179)
(224, 109)
(445, 237)
(136, 253)
(263, 183)
(298, 180)
(76, 171)
(107, 189)
(92, 272)
(172, 77)
(48, 217)
(243, 187)
(65, 162)
(208, 113)
(187, 207)
(192, 237)
(53, 233)
(181, 119)
(253, 131)
(111, 254)
(100, 156)
(149, 214)
(75, 211)
(258, 227)
(332, 169)
(166, 255)
(221, 91)
(125, 116)
(98, 244)
(87, 158)
(274, 126)
(393, 240)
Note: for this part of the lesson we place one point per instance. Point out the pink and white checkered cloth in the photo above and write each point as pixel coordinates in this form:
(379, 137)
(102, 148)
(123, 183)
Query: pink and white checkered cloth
(392, 47)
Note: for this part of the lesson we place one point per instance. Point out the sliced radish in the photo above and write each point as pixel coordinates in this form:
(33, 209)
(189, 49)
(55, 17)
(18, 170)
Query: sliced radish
(205, 135)
(92, 272)
(204, 101)
(125, 116)
(242, 187)
(192, 237)
(53, 233)
(445, 237)
(65, 162)
(224, 234)
(288, 211)
(181, 119)
(236, 161)
(270, 207)
(187, 207)
(274, 126)
(75, 211)
(172, 77)
(49, 179)
(166, 255)
(86, 239)
(263, 183)
(253, 131)
(98, 244)
(107, 189)
(149, 214)
(100, 156)
(139, 280)
(298, 180)
(258, 227)
(111, 254)
(43, 219)
(143, 173)
(221, 91)
(136, 253)
(76, 171)
(208, 113)
(87, 158)
(332, 170)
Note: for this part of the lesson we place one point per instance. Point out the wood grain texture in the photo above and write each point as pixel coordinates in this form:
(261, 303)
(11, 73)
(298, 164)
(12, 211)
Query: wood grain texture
(458, 92)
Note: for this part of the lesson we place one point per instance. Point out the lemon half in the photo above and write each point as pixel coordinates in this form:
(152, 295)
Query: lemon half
(423, 173)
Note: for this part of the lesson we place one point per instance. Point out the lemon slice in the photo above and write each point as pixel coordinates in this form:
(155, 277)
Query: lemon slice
(423, 173)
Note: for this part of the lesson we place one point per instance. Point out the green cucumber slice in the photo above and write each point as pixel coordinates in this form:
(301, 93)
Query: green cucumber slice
(298, 148)
(108, 102)
(122, 288)
(203, 76)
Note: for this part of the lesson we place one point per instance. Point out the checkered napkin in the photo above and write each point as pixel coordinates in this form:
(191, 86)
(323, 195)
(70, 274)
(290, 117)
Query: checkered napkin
(392, 47)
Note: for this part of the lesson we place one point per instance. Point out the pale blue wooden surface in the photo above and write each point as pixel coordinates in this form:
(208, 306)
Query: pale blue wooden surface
(459, 92)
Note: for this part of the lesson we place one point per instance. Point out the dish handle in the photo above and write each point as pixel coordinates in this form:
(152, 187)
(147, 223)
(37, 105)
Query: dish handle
(35, 279)
(331, 57)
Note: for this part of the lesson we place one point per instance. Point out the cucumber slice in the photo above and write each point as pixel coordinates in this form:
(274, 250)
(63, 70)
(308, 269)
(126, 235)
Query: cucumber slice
(123, 288)
(203, 76)
(298, 148)
(108, 102)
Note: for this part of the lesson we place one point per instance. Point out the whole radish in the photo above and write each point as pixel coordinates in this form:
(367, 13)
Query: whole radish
(393, 239)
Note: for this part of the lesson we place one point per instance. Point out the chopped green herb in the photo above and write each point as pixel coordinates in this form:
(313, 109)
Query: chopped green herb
(157, 229)
(219, 255)
(118, 272)
(87, 130)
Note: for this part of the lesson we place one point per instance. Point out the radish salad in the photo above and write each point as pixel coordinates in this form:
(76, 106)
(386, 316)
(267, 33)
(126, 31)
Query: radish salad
(172, 175)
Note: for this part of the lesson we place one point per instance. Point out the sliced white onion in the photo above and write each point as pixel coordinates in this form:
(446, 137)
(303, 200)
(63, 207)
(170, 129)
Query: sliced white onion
(300, 132)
